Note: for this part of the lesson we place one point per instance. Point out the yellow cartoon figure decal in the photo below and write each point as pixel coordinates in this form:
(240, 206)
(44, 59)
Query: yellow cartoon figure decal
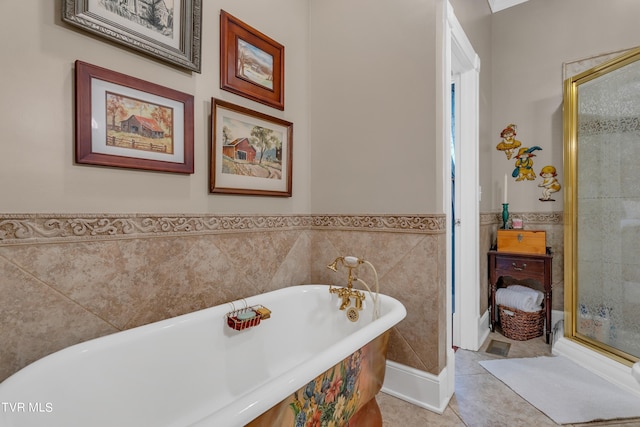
(549, 184)
(508, 143)
(524, 164)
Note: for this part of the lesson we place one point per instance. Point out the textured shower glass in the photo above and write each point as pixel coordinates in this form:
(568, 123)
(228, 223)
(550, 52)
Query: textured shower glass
(608, 210)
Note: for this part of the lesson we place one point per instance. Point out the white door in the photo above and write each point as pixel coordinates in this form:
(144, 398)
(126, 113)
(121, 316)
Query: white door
(463, 262)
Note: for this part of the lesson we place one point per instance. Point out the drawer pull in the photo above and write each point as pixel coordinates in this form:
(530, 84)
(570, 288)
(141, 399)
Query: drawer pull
(515, 267)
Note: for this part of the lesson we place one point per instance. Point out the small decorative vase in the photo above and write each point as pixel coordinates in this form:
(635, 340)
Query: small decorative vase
(505, 216)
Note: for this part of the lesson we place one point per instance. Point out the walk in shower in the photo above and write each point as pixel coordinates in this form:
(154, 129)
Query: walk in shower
(602, 207)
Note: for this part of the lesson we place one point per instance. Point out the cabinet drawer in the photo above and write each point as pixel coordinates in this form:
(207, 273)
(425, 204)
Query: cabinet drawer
(506, 265)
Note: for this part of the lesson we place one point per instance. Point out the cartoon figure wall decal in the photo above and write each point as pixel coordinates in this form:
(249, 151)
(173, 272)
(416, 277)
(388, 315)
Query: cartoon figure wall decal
(508, 143)
(549, 183)
(524, 164)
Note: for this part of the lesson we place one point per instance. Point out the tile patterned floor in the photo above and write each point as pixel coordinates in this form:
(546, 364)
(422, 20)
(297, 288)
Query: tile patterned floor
(480, 399)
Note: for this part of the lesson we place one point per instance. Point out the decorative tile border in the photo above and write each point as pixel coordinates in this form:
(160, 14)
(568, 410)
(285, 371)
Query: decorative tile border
(550, 218)
(43, 228)
(396, 223)
(490, 218)
(49, 227)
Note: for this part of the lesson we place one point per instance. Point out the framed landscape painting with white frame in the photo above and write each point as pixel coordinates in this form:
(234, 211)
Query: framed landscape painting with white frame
(251, 152)
(166, 29)
(126, 122)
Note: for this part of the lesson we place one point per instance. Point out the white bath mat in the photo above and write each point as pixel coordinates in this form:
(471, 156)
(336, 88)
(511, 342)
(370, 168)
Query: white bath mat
(566, 392)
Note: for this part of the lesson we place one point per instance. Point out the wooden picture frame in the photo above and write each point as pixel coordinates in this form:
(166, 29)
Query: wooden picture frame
(251, 152)
(251, 64)
(122, 121)
(172, 34)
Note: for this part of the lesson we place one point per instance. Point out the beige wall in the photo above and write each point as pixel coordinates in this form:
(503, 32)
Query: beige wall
(79, 244)
(522, 50)
(373, 107)
(37, 114)
(530, 42)
(475, 18)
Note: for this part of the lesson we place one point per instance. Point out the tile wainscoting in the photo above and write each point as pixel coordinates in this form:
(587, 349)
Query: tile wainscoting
(68, 278)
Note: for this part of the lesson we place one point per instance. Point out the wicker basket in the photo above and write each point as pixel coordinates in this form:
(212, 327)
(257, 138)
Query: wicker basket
(521, 325)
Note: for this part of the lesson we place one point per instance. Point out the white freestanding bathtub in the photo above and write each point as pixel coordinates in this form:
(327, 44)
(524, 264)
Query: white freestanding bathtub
(194, 370)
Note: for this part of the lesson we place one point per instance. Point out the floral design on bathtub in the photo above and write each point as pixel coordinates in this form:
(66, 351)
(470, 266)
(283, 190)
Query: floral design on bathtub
(341, 396)
(330, 399)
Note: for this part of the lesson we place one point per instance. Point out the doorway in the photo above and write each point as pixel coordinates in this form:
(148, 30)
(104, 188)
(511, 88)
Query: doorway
(467, 329)
(455, 219)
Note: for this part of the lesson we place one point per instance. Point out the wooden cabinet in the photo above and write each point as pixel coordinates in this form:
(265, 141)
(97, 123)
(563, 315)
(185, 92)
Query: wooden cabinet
(520, 266)
(522, 241)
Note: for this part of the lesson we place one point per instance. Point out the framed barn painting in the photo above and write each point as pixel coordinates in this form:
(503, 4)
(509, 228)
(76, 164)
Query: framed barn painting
(251, 152)
(251, 64)
(126, 122)
(166, 29)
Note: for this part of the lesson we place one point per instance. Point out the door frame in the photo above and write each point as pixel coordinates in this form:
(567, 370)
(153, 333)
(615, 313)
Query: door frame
(467, 330)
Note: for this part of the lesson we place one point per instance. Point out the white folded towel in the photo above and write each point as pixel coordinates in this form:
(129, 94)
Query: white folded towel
(539, 296)
(519, 300)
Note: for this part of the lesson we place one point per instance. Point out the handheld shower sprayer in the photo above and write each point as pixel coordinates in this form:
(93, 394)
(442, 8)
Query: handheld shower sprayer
(352, 262)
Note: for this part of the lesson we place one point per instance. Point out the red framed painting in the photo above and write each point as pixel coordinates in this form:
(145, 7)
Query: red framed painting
(251, 63)
(251, 152)
(123, 121)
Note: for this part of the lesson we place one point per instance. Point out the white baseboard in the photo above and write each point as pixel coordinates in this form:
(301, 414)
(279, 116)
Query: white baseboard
(473, 337)
(421, 388)
(428, 390)
(483, 329)
(607, 368)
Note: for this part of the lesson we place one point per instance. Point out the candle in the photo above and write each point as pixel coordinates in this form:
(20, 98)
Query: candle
(505, 188)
